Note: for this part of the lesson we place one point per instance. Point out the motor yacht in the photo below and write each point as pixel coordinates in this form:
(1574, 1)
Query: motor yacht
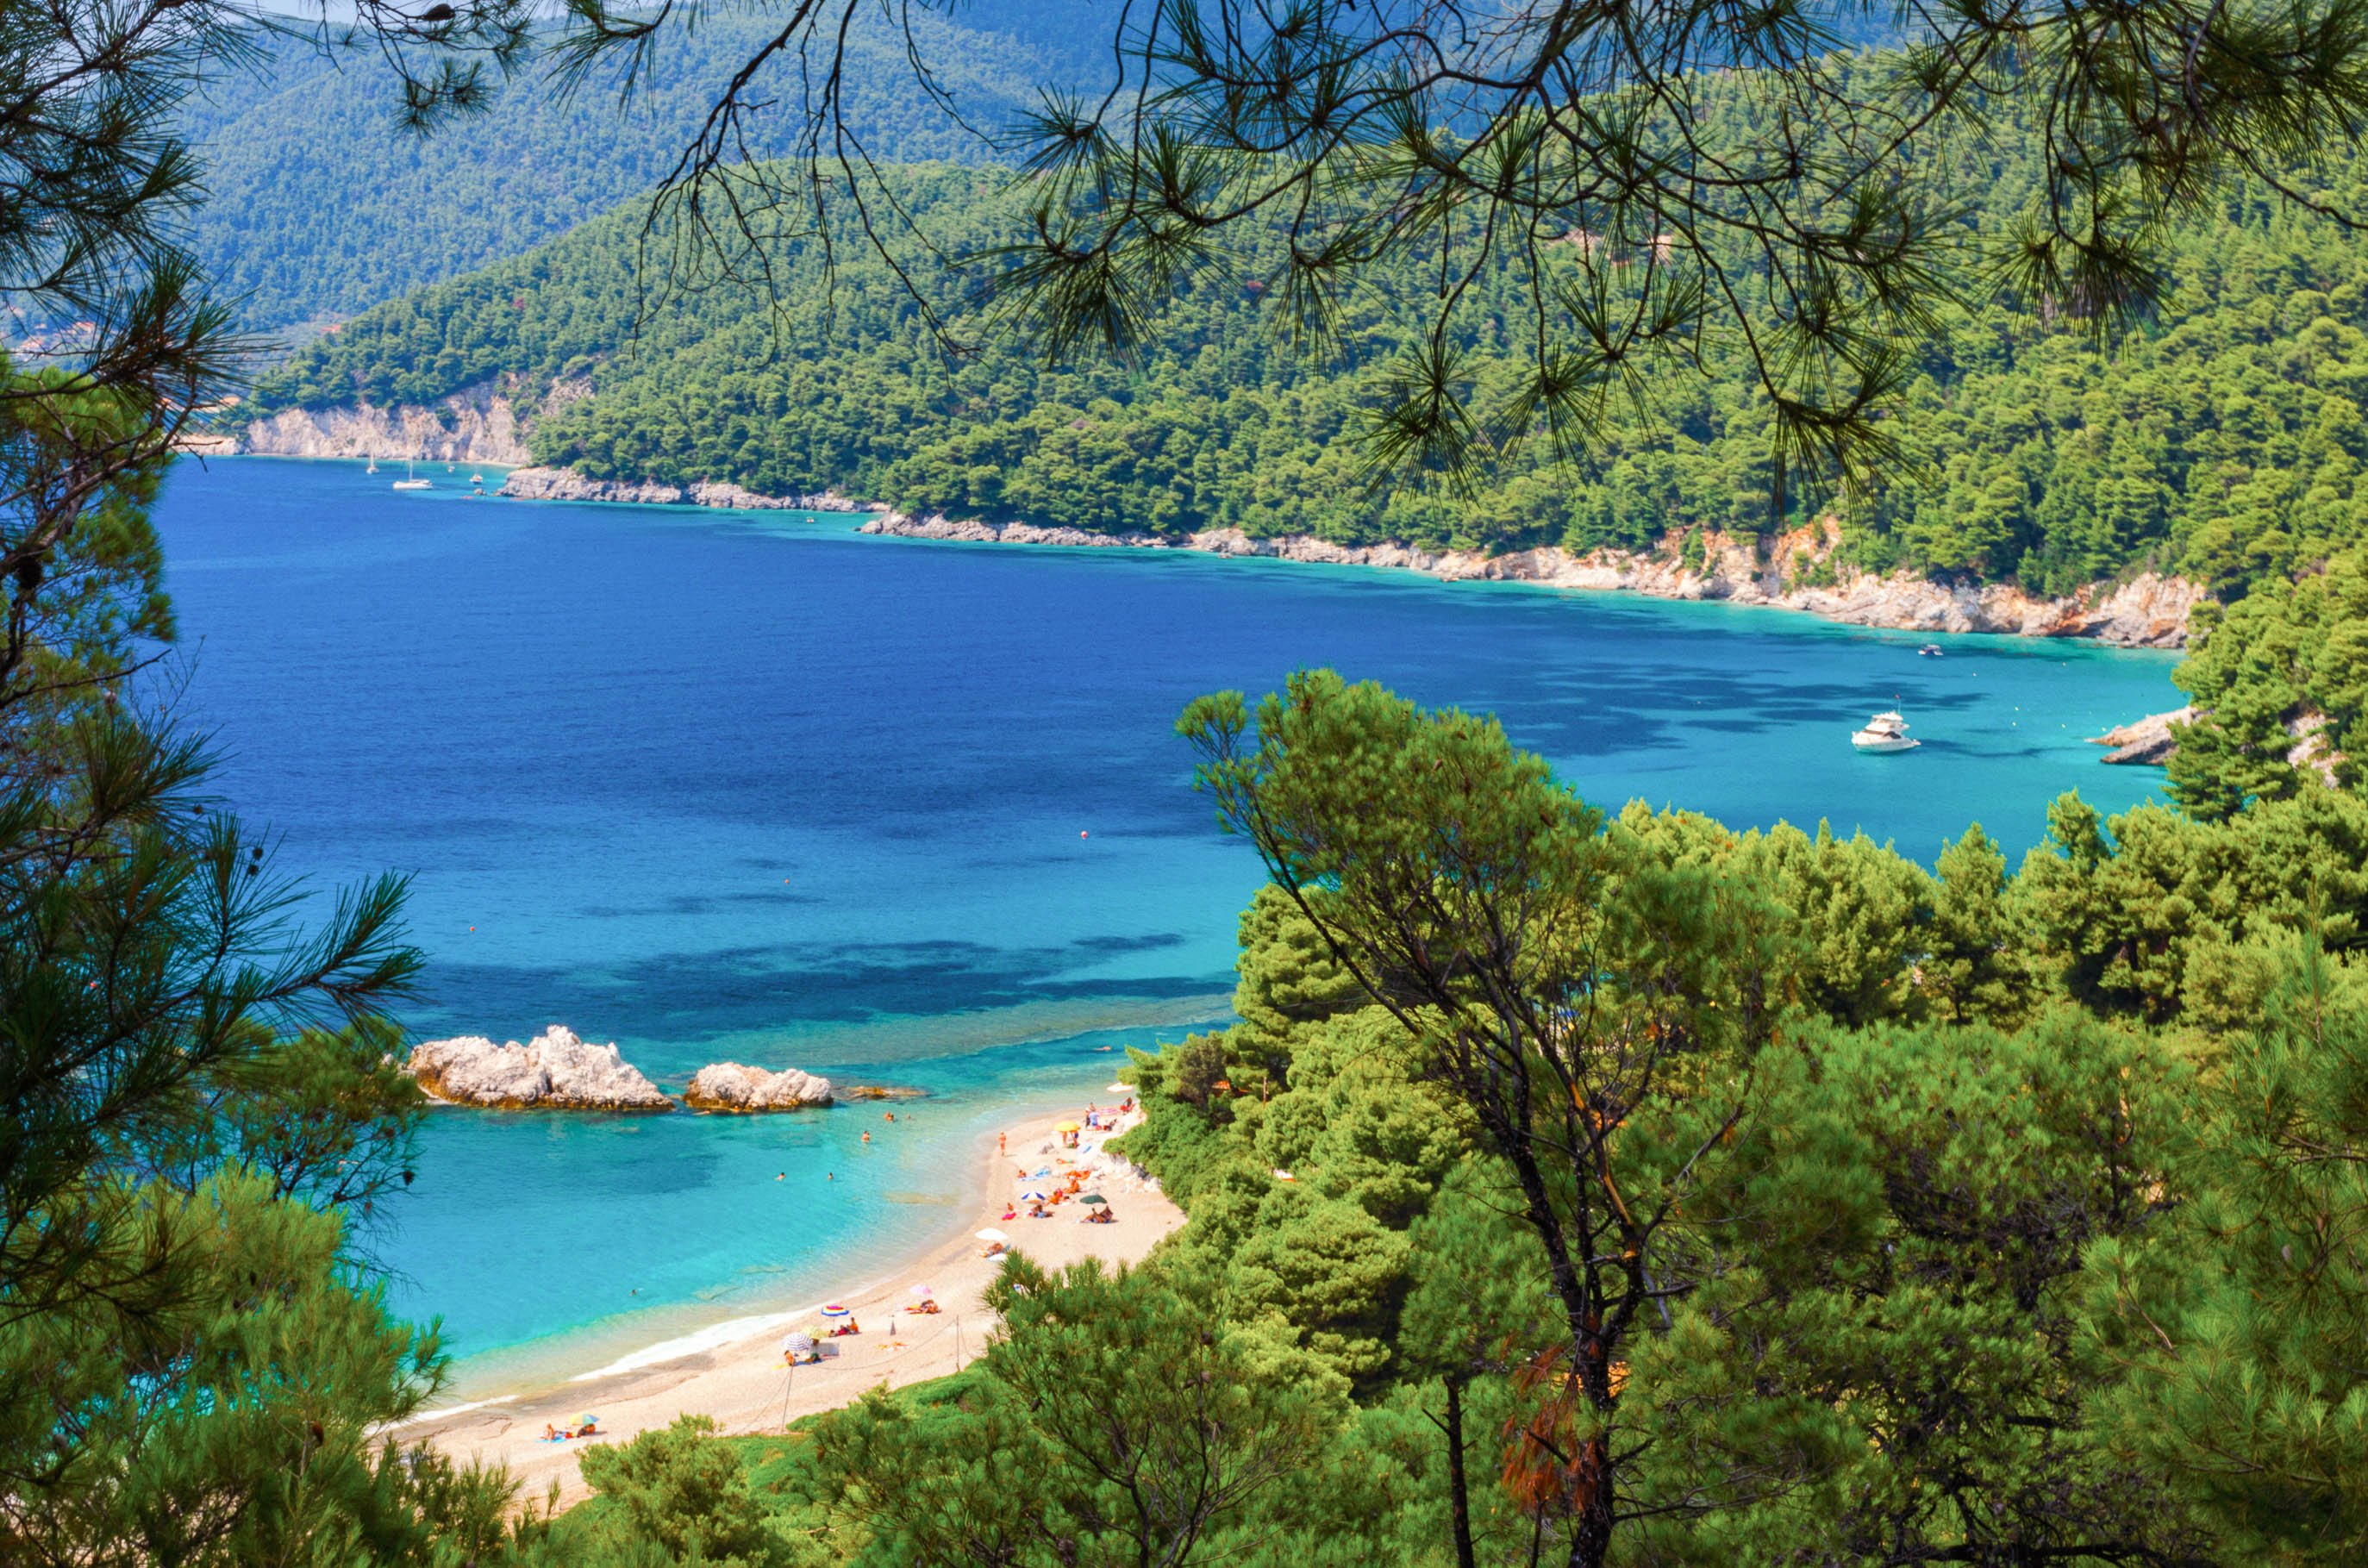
(1884, 732)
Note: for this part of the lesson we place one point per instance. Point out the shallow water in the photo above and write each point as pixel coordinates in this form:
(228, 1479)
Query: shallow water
(753, 787)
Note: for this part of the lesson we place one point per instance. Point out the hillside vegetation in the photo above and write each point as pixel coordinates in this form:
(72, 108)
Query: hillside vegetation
(322, 206)
(2224, 440)
(1776, 1197)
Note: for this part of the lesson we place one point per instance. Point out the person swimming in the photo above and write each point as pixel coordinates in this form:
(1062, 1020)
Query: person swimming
(867, 1138)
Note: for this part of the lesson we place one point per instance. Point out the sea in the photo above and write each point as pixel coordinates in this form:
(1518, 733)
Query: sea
(754, 787)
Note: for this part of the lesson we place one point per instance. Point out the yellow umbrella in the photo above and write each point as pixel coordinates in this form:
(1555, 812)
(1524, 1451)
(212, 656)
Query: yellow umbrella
(1066, 1127)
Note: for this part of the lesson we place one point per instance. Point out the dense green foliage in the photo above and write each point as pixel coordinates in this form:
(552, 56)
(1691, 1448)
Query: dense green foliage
(198, 1121)
(2011, 1217)
(322, 205)
(2278, 681)
(2223, 440)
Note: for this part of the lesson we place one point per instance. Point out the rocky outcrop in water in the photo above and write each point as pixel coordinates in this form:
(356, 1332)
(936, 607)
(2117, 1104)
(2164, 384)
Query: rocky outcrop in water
(882, 1091)
(555, 1070)
(1793, 571)
(563, 484)
(734, 1086)
(478, 425)
(2147, 742)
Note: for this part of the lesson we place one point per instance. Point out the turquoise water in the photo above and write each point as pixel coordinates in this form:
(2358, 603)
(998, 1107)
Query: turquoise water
(757, 788)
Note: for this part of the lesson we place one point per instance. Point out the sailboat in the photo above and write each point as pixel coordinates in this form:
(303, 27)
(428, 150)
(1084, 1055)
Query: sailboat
(410, 481)
(373, 464)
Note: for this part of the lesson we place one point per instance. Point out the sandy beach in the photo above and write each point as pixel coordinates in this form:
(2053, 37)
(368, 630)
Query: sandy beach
(744, 1383)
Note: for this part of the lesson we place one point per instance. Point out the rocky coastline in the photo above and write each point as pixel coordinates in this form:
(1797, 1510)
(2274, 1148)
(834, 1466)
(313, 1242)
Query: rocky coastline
(2145, 742)
(1794, 571)
(562, 485)
(555, 1070)
(734, 1086)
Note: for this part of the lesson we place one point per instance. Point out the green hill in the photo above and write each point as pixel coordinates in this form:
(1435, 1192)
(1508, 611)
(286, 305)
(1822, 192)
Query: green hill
(321, 206)
(2224, 440)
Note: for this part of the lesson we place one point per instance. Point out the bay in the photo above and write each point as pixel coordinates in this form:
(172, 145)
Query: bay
(754, 786)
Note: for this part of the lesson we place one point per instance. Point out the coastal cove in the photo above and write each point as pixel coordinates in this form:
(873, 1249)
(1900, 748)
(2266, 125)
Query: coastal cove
(2147, 611)
(749, 786)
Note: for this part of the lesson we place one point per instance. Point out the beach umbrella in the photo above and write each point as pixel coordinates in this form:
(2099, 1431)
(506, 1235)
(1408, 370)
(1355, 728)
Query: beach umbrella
(835, 1310)
(1066, 1127)
(991, 1234)
(922, 1292)
(1119, 1089)
(1093, 1198)
(798, 1343)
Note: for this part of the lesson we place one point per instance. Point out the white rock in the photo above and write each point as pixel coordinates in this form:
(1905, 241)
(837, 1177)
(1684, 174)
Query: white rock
(733, 1085)
(564, 484)
(554, 1070)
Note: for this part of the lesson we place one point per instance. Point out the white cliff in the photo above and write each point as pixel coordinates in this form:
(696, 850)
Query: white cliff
(554, 1070)
(734, 1086)
(483, 423)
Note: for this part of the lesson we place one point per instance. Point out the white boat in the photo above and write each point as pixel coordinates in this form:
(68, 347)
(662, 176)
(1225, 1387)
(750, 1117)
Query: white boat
(412, 481)
(1930, 650)
(1884, 732)
(373, 464)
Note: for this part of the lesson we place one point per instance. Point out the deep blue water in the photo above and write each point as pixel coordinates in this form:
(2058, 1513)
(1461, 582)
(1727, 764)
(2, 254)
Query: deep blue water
(757, 788)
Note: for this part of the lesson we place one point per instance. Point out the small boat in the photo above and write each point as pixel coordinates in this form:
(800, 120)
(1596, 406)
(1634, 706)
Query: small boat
(476, 479)
(1884, 732)
(412, 481)
(373, 464)
(1930, 650)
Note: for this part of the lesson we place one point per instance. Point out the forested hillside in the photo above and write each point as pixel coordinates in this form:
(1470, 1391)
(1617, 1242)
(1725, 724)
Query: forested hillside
(322, 206)
(2222, 440)
(1756, 1199)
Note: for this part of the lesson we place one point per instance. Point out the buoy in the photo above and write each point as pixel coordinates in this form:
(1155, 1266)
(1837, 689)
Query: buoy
(1081, 833)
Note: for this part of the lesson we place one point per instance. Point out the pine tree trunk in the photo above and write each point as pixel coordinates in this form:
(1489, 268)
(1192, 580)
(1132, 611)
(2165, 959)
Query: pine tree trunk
(1459, 1502)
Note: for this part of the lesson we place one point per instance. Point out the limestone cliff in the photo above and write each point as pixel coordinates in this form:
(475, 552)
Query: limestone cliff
(554, 1071)
(483, 423)
(735, 1087)
(1793, 571)
(562, 485)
